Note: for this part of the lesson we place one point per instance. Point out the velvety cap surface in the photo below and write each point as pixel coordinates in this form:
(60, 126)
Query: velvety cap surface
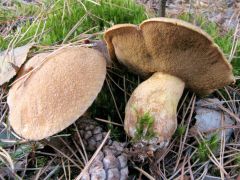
(34, 62)
(171, 46)
(57, 93)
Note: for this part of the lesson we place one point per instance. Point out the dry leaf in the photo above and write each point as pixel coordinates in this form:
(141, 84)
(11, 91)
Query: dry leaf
(209, 117)
(11, 61)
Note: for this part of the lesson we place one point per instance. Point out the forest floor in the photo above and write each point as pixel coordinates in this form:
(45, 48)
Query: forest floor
(206, 144)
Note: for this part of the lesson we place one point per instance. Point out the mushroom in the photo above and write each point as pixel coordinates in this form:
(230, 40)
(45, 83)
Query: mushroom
(58, 90)
(179, 55)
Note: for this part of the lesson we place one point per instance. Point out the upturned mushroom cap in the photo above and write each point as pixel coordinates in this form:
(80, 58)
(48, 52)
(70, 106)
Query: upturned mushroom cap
(171, 46)
(57, 93)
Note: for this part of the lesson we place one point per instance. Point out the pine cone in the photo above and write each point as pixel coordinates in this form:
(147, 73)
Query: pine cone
(91, 133)
(109, 164)
(111, 161)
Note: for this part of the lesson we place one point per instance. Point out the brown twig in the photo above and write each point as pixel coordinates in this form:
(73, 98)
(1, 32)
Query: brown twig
(162, 8)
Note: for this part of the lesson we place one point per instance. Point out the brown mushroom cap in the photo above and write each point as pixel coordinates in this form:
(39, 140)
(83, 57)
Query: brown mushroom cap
(57, 93)
(171, 46)
(32, 63)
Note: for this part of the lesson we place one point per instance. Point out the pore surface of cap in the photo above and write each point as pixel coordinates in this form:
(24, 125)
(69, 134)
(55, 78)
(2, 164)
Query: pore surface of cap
(171, 46)
(53, 96)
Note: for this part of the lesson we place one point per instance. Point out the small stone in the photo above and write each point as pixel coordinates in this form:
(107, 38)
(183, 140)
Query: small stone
(113, 174)
(210, 117)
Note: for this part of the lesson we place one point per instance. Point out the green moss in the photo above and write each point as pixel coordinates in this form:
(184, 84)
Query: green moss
(41, 161)
(237, 162)
(144, 127)
(71, 18)
(18, 11)
(212, 143)
(116, 132)
(22, 151)
(180, 131)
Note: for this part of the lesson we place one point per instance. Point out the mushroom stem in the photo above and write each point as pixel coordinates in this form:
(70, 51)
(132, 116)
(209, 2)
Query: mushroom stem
(158, 98)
